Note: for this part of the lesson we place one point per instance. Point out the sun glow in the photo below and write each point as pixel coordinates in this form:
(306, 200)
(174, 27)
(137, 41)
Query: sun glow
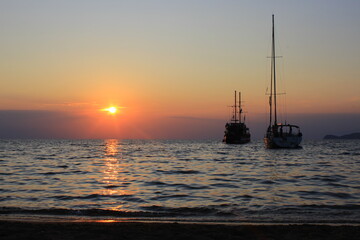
(111, 110)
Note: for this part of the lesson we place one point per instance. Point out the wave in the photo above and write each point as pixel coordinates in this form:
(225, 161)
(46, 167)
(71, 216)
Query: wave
(96, 197)
(179, 172)
(316, 194)
(177, 185)
(63, 173)
(149, 211)
(77, 212)
(228, 212)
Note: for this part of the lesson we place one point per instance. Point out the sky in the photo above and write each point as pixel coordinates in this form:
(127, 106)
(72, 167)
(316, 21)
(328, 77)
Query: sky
(171, 67)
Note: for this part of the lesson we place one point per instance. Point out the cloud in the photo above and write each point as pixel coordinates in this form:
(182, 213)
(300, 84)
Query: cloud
(38, 124)
(193, 118)
(60, 124)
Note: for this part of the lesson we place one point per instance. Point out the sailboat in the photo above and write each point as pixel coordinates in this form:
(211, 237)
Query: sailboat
(236, 131)
(279, 135)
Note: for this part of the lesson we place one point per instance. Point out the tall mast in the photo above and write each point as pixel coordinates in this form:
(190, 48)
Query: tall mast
(271, 85)
(235, 110)
(273, 69)
(240, 110)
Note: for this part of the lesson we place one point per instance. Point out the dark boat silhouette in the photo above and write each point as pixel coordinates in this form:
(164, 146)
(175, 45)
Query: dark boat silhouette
(279, 135)
(236, 131)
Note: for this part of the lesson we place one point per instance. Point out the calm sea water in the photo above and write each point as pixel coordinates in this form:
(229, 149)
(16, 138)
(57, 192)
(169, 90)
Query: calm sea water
(177, 180)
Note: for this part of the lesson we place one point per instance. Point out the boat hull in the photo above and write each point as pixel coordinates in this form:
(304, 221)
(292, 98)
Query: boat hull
(236, 133)
(283, 142)
(241, 140)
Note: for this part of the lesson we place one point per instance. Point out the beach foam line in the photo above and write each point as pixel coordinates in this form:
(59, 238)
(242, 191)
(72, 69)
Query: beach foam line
(90, 219)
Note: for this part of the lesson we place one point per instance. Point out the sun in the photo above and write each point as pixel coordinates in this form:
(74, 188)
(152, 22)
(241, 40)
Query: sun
(111, 110)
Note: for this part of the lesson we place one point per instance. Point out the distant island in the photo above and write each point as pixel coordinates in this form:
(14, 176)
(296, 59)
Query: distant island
(347, 136)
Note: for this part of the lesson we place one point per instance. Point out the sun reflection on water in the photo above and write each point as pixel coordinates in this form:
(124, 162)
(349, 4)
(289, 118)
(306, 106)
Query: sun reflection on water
(112, 158)
(111, 147)
(113, 168)
(114, 177)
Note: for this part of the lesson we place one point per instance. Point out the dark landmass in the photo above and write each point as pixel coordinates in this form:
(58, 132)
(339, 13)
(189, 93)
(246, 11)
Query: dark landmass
(173, 231)
(348, 136)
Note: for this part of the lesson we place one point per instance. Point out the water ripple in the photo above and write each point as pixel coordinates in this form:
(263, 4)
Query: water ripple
(181, 178)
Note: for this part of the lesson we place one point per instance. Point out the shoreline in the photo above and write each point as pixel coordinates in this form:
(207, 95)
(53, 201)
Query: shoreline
(163, 220)
(171, 230)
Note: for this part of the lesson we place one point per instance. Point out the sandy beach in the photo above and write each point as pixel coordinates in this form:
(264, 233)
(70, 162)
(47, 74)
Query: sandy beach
(131, 230)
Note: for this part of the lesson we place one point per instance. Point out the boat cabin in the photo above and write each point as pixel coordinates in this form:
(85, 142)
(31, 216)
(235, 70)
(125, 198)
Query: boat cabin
(286, 130)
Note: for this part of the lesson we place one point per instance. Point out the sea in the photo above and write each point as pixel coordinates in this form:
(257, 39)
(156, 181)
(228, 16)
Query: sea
(180, 181)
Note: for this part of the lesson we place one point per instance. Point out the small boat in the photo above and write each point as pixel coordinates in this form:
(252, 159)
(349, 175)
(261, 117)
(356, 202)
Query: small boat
(279, 135)
(236, 131)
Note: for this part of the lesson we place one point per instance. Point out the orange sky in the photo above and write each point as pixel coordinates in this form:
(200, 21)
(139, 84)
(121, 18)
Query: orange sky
(178, 60)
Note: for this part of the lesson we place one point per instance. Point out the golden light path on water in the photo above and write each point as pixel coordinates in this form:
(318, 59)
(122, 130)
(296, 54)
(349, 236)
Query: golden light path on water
(111, 171)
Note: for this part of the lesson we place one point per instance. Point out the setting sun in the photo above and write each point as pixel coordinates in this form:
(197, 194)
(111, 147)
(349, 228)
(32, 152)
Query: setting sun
(111, 110)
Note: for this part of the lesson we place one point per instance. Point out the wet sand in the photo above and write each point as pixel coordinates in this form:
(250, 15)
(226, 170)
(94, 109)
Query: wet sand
(173, 231)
